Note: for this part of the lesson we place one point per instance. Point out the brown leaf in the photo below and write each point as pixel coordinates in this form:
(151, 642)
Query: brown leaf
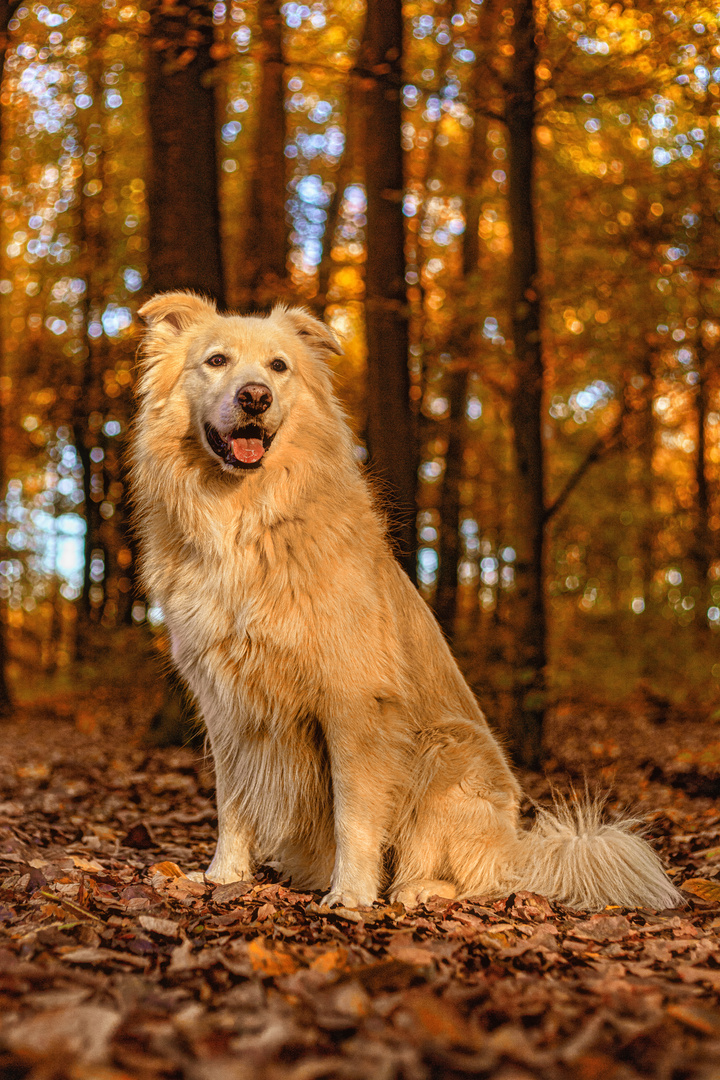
(138, 837)
(271, 962)
(332, 960)
(86, 865)
(437, 1019)
(165, 927)
(697, 1018)
(225, 894)
(604, 928)
(167, 869)
(81, 1033)
(704, 888)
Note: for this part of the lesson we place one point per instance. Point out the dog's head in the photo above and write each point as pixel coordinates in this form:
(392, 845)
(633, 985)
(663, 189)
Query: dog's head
(232, 382)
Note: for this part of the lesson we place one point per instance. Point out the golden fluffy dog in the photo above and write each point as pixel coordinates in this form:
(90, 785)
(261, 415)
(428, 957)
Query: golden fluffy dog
(348, 748)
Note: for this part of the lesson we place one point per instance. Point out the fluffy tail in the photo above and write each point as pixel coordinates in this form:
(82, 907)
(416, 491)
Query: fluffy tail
(571, 856)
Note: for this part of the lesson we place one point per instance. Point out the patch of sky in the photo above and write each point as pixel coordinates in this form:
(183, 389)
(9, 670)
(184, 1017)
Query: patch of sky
(430, 471)
(231, 131)
(423, 26)
(51, 18)
(592, 125)
(432, 108)
(321, 112)
(312, 146)
(593, 45)
(132, 278)
(296, 14)
(427, 563)
(115, 319)
(595, 395)
(309, 216)
(241, 37)
(490, 327)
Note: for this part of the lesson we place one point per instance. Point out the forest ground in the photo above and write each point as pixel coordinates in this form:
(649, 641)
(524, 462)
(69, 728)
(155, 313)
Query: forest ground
(113, 964)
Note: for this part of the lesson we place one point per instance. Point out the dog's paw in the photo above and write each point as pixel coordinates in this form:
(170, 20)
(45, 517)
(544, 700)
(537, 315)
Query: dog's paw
(222, 874)
(419, 892)
(345, 898)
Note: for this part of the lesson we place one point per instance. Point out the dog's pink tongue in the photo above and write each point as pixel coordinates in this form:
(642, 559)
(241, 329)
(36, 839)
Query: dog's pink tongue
(247, 450)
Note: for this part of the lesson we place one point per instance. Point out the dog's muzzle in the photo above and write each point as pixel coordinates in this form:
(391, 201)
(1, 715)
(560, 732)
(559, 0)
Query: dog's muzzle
(243, 448)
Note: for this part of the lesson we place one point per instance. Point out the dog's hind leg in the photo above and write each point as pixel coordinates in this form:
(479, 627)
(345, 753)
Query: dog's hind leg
(459, 843)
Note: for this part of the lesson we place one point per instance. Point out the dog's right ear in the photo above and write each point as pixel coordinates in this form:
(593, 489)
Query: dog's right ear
(175, 311)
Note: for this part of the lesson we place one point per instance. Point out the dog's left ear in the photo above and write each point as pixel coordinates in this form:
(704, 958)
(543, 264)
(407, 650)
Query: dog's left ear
(316, 333)
(175, 311)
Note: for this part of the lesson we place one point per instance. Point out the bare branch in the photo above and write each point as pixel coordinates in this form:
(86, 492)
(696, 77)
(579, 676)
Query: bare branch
(602, 446)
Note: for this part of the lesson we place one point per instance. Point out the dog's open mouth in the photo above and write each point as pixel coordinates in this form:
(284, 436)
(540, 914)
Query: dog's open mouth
(243, 448)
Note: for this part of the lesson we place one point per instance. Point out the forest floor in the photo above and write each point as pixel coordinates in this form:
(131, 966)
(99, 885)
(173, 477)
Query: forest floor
(114, 964)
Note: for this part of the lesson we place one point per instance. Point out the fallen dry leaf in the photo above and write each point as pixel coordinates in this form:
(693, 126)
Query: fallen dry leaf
(704, 888)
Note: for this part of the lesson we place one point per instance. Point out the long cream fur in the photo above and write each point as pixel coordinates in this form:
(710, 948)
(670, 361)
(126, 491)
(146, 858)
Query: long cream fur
(348, 748)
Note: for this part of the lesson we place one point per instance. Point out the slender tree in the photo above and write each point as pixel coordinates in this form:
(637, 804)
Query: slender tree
(446, 595)
(264, 263)
(390, 428)
(7, 11)
(526, 406)
(183, 190)
(185, 239)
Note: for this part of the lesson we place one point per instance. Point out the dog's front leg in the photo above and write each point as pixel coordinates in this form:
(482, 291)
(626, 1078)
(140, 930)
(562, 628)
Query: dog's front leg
(363, 765)
(232, 861)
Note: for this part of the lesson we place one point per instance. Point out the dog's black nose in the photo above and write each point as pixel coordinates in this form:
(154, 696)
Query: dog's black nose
(254, 398)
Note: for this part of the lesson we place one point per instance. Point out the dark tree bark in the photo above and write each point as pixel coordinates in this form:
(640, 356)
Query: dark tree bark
(89, 394)
(183, 192)
(185, 238)
(446, 595)
(266, 244)
(7, 10)
(526, 407)
(702, 548)
(390, 430)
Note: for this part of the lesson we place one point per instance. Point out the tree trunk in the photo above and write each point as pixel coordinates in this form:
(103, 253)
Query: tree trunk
(266, 245)
(183, 192)
(93, 244)
(7, 10)
(701, 553)
(390, 429)
(185, 237)
(456, 387)
(527, 399)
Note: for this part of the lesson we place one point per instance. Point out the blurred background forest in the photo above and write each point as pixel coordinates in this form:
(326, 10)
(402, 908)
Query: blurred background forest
(509, 211)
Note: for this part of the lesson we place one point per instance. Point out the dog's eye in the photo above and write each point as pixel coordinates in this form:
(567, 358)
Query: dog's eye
(278, 364)
(218, 360)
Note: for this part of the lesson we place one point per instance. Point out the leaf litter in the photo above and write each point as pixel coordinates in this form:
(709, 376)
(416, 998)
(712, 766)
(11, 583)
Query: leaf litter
(119, 960)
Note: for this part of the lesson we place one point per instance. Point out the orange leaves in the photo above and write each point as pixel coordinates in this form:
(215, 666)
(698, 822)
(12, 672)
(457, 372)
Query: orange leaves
(704, 888)
(269, 962)
(167, 869)
(333, 960)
